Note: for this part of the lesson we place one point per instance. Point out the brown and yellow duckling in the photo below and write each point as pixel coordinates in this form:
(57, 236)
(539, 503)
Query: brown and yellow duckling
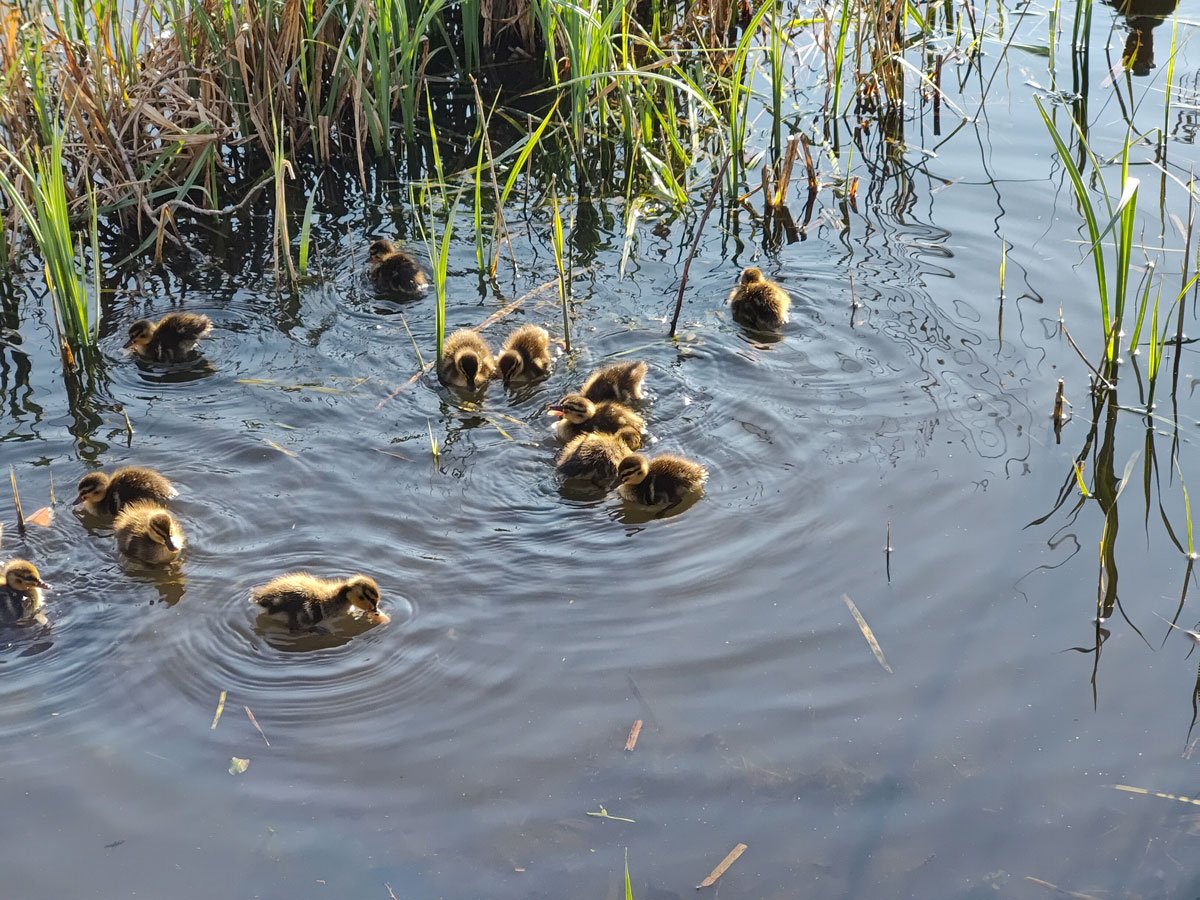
(171, 339)
(579, 415)
(394, 271)
(758, 302)
(306, 600)
(525, 356)
(102, 494)
(466, 361)
(147, 532)
(595, 455)
(662, 481)
(622, 382)
(21, 591)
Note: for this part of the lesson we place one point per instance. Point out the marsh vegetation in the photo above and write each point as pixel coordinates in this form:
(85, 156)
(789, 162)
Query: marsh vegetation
(977, 427)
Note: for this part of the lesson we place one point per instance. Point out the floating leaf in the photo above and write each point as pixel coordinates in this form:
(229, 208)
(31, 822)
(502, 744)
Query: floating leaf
(41, 517)
(237, 765)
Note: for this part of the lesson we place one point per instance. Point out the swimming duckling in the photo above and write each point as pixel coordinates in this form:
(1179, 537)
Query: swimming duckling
(525, 355)
(621, 382)
(577, 415)
(147, 532)
(664, 480)
(170, 339)
(21, 592)
(306, 599)
(595, 455)
(394, 271)
(466, 360)
(103, 494)
(759, 303)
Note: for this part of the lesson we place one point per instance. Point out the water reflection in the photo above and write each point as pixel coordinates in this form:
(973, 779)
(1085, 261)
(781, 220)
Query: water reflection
(1142, 17)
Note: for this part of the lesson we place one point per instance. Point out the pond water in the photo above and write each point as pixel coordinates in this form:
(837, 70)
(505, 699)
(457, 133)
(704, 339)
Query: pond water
(455, 752)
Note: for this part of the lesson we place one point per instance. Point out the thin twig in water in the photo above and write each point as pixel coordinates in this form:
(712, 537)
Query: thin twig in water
(687, 264)
(16, 495)
(867, 633)
(220, 709)
(730, 858)
(257, 727)
(632, 740)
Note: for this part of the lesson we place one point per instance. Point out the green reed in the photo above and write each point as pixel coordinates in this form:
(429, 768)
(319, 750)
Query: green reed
(437, 244)
(558, 241)
(1112, 282)
(48, 221)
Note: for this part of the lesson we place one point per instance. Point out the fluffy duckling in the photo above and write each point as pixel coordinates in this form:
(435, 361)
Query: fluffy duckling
(759, 303)
(595, 455)
(171, 339)
(525, 355)
(147, 532)
(306, 599)
(394, 271)
(577, 415)
(466, 360)
(621, 382)
(664, 480)
(21, 592)
(103, 494)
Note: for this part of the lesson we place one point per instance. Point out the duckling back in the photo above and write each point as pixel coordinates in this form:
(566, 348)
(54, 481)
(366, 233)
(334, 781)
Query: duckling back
(759, 303)
(135, 484)
(175, 336)
(398, 273)
(622, 382)
(596, 455)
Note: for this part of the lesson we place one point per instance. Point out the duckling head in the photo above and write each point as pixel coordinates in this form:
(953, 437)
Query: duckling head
(629, 436)
(633, 469)
(161, 529)
(575, 408)
(23, 577)
(363, 593)
(92, 488)
(379, 249)
(140, 333)
(467, 363)
(510, 365)
(751, 275)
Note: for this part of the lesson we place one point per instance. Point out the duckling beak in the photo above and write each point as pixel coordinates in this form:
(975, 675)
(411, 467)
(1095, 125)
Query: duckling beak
(44, 585)
(128, 345)
(77, 501)
(556, 411)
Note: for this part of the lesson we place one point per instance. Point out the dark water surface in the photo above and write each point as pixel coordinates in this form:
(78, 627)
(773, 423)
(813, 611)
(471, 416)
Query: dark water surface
(455, 752)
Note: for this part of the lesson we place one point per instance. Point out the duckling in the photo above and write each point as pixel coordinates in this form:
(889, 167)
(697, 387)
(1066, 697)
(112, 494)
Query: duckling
(394, 271)
(525, 355)
(147, 532)
(595, 455)
(103, 494)
(759, 303)
(171, 339)
(306, 599)
(577, 415)
(662, 481)
(21, 593)
(466, 360)
(621, 382)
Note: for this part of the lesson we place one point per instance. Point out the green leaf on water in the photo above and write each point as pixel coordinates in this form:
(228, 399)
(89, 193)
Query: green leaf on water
(238, 766)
